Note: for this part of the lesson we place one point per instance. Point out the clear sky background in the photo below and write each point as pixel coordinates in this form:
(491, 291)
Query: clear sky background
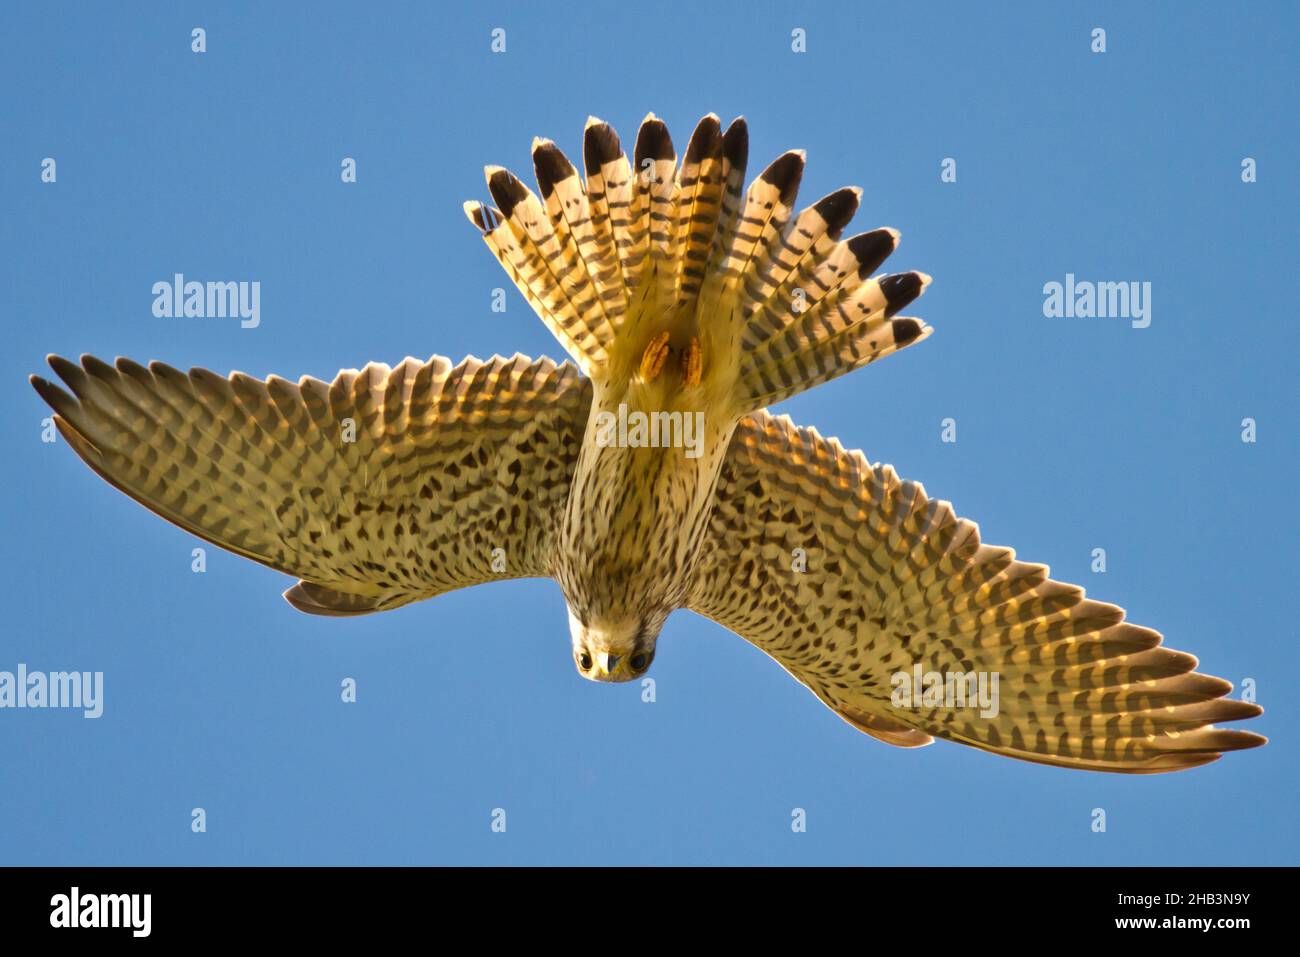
(1073, 434)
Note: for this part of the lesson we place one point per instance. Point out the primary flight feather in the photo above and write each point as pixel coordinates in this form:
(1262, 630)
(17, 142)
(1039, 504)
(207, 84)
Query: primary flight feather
(684, 299)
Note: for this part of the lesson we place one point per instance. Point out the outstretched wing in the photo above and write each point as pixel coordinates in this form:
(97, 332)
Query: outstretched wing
(892, 580)
(383, 487)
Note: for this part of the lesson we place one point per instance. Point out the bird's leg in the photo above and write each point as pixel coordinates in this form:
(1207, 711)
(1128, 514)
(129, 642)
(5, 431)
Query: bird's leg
(654, 357)
(692, 363)
(656, 354)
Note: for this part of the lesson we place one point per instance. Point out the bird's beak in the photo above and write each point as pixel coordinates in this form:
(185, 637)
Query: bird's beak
(607, 662)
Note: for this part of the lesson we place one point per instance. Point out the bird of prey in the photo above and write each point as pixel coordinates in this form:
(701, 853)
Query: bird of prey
(691, 303)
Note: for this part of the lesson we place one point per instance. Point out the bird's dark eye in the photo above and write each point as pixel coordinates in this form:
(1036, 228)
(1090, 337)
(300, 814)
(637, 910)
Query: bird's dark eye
(584, 661)
(639, 661)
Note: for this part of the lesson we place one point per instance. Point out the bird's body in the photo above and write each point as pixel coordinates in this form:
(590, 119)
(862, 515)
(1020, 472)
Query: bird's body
(648, 478)
(637, 513)
(632, 532)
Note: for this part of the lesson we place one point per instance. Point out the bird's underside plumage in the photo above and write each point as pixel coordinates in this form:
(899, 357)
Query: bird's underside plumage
(674, 290)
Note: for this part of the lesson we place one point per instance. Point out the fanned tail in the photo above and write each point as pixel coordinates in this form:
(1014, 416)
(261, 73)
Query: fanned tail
(650, 259)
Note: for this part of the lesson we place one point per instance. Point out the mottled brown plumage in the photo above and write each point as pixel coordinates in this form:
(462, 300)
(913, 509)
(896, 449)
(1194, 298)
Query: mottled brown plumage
(692, 303)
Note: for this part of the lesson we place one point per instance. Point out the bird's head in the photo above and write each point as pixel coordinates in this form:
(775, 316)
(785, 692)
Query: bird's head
(613, 650)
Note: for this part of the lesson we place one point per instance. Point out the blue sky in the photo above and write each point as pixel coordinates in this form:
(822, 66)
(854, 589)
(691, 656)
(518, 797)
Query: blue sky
(1073, 434)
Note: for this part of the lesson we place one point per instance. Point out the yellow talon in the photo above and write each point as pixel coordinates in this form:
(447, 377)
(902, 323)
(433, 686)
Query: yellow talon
(656, 354)
(692, 363)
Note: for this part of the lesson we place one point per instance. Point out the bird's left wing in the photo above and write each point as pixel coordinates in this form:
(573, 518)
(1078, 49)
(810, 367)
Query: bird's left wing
(864, 588)
(383, 487)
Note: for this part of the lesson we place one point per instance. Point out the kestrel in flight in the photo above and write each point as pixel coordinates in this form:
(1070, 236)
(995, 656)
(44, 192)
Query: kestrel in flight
(688, 304)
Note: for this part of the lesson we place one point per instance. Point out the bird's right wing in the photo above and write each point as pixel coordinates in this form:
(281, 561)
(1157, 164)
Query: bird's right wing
(383, 487)
(858, 582)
